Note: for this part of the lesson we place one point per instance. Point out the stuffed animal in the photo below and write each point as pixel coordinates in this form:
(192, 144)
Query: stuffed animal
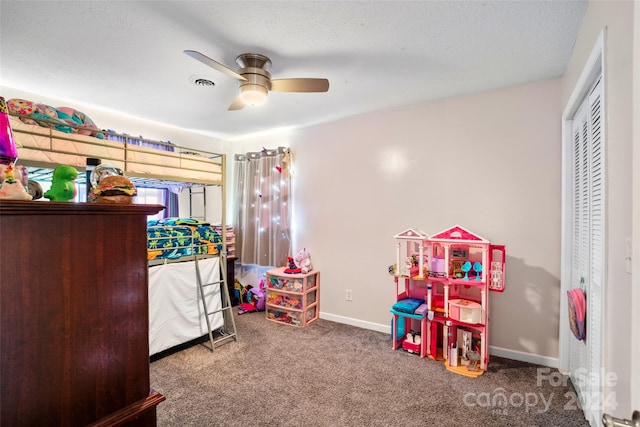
(63, 186)
(35, 189)
(12, 182)
(293, 268)
(303, 261)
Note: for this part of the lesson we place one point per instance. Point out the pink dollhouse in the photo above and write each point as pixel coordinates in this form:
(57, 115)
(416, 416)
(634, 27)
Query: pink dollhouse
(457, 268)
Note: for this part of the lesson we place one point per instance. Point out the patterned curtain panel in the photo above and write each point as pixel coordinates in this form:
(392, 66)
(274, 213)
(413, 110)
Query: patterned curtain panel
(262, 209)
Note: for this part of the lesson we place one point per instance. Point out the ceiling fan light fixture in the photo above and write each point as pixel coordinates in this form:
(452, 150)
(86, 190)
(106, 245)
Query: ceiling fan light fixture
(255, 81)
(253, 94)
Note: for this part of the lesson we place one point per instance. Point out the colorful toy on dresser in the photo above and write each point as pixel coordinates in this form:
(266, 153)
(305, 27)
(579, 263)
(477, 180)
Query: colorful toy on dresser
(301, 264)
(13, 179)
(442, 291)
(14, 182)
(63, 186)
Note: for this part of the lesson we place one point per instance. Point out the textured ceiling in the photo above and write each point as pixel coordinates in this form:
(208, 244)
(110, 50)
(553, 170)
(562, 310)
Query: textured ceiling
(128, 56)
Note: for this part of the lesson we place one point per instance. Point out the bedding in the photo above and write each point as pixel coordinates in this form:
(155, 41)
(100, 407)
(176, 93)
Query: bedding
(64, 119)
(174, 238)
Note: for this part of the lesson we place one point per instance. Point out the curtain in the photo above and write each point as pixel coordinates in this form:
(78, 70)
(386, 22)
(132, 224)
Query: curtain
(262, 209)
(172, 204)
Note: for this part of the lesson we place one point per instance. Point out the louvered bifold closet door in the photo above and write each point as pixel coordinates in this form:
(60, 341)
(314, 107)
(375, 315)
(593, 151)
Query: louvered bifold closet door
(595, 301)
(585, 358)
(580, 246)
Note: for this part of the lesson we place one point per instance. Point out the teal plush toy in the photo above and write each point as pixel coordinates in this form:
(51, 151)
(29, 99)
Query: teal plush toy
(63, 187)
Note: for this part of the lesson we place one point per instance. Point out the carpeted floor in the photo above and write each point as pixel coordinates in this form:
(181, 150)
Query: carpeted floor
(331, 374)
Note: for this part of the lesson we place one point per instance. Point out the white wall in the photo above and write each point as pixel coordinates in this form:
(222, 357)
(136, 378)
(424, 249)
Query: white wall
(617, 17)
(489, 162)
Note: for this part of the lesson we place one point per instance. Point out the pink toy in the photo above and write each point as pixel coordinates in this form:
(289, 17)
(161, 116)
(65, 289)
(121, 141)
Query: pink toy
(8, 150)
(303, 261)
(256, 299)
(13, 182)
(456, 270)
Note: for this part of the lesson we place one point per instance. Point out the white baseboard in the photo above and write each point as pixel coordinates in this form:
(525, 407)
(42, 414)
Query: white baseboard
(356, 322)
(551, 362)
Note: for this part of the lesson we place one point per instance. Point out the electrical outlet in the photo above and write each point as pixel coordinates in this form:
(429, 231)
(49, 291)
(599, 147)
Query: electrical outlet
(349, 295)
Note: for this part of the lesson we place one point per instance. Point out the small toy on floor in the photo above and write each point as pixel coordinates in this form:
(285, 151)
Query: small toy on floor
(255, 299)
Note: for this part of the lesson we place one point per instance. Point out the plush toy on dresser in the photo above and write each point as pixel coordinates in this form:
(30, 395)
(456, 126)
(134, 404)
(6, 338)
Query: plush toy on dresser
(303, 261)
(63, 186)
(35, 189)
(13, 182)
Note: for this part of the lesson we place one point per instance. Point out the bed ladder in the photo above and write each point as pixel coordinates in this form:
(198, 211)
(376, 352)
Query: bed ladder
(228, 330)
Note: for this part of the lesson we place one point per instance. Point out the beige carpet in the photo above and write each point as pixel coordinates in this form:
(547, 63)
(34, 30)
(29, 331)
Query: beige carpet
(330, 374)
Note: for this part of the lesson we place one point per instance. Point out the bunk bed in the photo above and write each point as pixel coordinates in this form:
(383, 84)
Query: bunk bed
(44, 147)
(177, 284)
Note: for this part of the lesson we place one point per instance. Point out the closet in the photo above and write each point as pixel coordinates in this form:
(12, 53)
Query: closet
(587, 248)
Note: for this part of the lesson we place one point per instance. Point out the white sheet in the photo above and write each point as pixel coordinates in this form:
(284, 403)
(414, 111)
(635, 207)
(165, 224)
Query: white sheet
(176, 314)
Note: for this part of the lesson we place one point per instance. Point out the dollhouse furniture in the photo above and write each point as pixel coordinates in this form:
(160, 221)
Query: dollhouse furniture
(409, 247)
(292, 299)
(75, 315)
(462, 267)
(407, 289)
(410, 265)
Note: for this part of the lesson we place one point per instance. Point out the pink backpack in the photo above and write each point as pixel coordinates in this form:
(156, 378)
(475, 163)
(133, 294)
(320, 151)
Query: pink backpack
(577, 313)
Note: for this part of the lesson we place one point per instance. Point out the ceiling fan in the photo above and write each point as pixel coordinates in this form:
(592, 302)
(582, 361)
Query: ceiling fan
(255, 81)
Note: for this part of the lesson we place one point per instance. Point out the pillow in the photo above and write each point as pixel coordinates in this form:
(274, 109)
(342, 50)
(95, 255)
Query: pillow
(407, 305)
(63, 118)
(56, 119)
(81, 119)
(23, 107)
(69, 119)
(49, 113)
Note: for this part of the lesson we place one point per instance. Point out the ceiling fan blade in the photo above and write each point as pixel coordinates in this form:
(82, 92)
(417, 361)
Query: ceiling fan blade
(214, 64)
(237, 104)
(300, 85)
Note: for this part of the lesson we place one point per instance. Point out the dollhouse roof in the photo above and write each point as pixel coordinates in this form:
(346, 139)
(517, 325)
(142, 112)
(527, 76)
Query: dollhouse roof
(412, 234)
(458, 234)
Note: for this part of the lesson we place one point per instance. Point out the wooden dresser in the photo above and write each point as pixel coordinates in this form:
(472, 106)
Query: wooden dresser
(74, 338)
